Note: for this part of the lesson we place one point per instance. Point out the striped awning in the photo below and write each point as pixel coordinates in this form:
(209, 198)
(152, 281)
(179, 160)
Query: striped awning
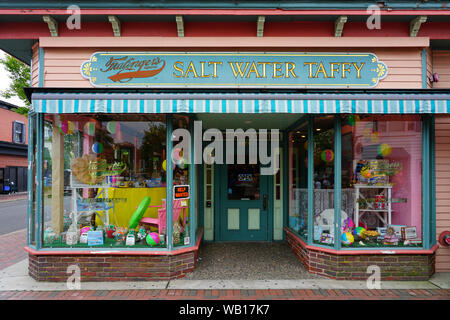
(377, 103)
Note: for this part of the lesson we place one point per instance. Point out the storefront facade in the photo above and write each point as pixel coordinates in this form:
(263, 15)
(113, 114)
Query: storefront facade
(334, 141)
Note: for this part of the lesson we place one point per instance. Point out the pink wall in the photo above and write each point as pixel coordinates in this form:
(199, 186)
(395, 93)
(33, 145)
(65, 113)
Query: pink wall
(442, 188)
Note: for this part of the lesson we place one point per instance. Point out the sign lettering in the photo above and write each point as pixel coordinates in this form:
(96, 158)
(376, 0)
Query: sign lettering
(234, 70)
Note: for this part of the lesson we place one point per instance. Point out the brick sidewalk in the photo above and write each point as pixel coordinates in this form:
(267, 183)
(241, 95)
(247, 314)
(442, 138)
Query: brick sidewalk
(11, 248)
(318, 294)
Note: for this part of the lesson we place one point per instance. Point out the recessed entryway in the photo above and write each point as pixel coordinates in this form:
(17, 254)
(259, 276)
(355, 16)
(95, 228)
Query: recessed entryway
(248, 261)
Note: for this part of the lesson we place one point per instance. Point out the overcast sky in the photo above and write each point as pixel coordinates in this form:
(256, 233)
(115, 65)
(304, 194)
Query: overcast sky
(4, 83)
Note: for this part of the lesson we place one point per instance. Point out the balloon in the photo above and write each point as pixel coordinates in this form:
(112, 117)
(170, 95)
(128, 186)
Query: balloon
(327, 155)
(64, 127)
(177, 153)
(384, 149)
(89, 128)
(181, 163)
(97, 147)
(112, 126)
(70, 127)
(164, 165)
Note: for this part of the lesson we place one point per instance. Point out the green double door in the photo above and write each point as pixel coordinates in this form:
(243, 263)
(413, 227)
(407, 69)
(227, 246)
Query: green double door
(243, 210)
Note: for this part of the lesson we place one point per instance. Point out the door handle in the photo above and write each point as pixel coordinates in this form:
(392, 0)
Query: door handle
(265, 202)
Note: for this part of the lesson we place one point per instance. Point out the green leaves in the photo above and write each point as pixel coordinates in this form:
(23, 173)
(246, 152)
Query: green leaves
(20, 76)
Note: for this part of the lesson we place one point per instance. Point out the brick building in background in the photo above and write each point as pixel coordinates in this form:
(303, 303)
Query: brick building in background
(13, 149)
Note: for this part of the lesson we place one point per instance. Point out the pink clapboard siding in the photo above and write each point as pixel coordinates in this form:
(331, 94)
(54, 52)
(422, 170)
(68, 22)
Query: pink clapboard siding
(441, 66)
(442, 188)
(62, 65)
(35, 66)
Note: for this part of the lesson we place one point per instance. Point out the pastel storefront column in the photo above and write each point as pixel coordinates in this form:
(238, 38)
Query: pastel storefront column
(57, 176)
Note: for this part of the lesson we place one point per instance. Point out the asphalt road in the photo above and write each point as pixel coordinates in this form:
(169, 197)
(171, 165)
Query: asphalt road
(13, 216)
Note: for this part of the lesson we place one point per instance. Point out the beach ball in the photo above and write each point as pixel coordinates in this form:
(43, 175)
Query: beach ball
(384, 149)
(152, 239)
(89, 128)
(347, 238)
(327, 155)
(97, 147)
(112, 127)
(359, 231)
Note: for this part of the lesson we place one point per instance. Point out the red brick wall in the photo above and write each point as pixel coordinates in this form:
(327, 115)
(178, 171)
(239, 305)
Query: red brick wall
(7, 117)
(112, 267)
(412, 267)
(12, 161)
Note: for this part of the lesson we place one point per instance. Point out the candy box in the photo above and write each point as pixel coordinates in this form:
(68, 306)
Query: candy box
(95, 238)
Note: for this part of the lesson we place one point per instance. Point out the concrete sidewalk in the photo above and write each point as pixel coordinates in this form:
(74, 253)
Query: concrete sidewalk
(15, 283)
(16, 278)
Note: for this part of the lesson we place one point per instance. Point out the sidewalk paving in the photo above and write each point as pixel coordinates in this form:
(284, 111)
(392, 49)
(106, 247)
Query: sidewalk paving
(13, 196)
(16, 284)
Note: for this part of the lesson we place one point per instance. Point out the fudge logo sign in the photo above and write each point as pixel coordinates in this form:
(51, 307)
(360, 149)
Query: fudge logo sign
(234, 70)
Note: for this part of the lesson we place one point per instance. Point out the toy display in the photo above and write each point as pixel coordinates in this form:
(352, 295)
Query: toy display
(138, 214)
(176, 232)
(141, 235)
(360, 232)
(95, 238)
(152, 239)
(131, 238)
(390, 238)
(347, 238)
(120, 234)
(110, 231)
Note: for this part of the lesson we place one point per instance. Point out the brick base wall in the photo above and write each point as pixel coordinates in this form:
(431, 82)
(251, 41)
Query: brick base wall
(96, 267)
(411, 267)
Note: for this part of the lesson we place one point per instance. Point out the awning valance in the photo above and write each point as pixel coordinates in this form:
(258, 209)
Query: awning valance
(316, 103)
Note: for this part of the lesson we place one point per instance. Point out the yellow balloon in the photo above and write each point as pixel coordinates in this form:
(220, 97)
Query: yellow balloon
(164, 165)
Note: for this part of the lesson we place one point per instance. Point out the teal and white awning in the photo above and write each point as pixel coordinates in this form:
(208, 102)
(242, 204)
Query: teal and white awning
(315, 103)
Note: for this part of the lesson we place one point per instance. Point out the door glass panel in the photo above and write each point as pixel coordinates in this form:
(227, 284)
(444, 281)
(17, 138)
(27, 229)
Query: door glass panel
(243, 182)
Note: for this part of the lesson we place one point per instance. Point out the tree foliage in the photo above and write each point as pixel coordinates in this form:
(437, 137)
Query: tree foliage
(20, 76)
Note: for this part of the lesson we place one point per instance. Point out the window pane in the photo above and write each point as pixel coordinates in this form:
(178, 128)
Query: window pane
(381, 180)
(181, 182)
(298, 180)
(104, 181)
(324, 180)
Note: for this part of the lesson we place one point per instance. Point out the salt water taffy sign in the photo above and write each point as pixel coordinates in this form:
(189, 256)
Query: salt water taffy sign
(234, 70)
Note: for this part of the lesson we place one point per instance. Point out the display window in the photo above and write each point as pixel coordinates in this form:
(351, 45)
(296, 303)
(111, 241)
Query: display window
(181, 164)
(323, 179)
(382, 180)
(298, 180)
(379, 181)
(104, 181)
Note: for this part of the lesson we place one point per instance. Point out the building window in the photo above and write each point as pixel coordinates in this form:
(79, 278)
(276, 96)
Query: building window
(380, 188)
(18, 132)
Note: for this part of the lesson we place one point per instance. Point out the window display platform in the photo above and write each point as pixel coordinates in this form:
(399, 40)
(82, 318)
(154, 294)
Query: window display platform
(394, 264)
(113, 265)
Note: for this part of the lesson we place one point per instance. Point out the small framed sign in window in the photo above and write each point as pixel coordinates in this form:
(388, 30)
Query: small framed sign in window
(18, 132)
